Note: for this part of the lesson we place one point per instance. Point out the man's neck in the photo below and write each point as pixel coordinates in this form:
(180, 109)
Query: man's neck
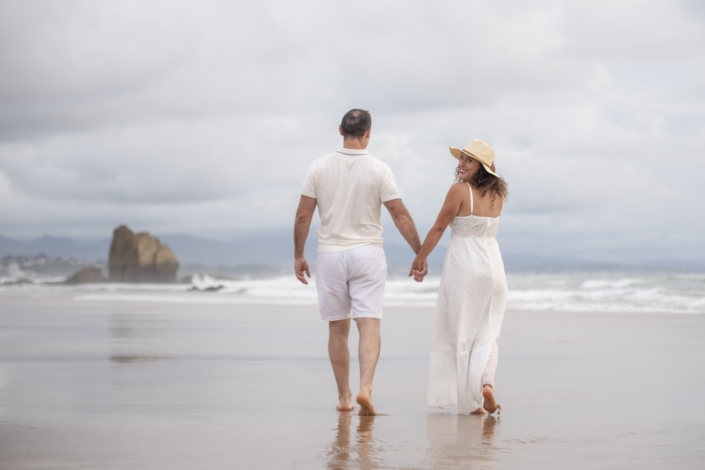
(354, 144)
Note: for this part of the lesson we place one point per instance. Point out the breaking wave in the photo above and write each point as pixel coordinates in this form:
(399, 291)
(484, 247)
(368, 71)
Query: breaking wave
(577, 292)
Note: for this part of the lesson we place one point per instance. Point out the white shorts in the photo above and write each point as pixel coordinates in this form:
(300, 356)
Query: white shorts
(350, 283)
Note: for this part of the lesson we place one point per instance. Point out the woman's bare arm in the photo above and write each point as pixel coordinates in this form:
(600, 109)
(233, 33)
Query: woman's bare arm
(451, 207)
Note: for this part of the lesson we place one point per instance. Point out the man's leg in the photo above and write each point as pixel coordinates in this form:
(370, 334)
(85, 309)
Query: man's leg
(368, 273)
(334, 306)
(340, 360)
(369, 354)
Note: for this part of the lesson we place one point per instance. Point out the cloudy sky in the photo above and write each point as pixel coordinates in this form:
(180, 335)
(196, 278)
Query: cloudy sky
(202, 117)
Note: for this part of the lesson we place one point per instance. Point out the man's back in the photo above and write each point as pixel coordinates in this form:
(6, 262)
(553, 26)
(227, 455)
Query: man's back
(350, 187)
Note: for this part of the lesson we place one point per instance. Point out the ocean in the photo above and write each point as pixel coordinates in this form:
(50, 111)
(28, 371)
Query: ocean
(609, 291)
(234, 373)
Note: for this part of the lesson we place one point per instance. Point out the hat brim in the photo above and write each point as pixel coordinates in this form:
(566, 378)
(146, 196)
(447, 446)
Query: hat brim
(455, 152)
(458, 152)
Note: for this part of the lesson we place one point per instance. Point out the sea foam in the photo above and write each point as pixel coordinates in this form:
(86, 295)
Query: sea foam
(577, 292)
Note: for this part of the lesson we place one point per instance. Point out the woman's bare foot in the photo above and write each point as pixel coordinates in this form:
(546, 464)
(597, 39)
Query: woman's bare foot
(490, 404)
(478, 411)
(345, 404)
(366, 406)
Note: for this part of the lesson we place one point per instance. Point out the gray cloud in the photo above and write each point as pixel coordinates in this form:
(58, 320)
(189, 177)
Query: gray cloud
(203, 117)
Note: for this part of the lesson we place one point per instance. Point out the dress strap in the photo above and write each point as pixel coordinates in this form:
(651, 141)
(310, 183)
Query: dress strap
(471, 201)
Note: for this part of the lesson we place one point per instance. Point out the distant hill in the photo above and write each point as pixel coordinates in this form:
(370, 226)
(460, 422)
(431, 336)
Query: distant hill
(55, 246)
(271, 250)
(276, 251)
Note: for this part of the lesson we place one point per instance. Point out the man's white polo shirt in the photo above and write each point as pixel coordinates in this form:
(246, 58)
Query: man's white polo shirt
(350, 187)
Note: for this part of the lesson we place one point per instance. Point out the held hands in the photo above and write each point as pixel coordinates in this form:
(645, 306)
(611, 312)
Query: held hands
(301, 267)
(419, 269)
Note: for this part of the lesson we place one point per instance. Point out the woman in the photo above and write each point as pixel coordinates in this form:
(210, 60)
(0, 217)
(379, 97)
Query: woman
(473, 290)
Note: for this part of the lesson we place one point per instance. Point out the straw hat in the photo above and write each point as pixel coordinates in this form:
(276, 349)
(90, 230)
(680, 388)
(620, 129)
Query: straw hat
(480, 151)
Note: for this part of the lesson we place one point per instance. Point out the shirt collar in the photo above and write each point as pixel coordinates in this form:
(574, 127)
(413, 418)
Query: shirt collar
(352, 151)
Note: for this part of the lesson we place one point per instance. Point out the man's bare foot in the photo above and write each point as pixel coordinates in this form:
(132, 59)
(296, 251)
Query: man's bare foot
(366, 406)
(490, 404)
(345, 404)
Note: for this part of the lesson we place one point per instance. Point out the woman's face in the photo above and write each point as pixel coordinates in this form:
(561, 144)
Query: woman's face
(467, 167)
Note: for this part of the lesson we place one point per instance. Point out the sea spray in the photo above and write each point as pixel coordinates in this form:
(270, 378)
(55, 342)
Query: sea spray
(646, 292)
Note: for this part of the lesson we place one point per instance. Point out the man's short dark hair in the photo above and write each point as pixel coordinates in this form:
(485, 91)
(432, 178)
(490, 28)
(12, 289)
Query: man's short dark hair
(356, 122)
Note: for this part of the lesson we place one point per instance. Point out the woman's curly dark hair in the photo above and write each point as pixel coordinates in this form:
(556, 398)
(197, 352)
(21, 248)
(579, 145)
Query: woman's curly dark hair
(486, 183)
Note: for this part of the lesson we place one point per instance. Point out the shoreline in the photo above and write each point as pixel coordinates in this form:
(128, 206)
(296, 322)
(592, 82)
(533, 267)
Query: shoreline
(193, 299)
(567, 292)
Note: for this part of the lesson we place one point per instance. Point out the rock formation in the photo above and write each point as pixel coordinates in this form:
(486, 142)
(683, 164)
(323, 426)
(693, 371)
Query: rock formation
(87, 276)
(140, 258)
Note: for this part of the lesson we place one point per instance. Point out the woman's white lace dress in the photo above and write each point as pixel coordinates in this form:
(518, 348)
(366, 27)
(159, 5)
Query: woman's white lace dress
(471, 301)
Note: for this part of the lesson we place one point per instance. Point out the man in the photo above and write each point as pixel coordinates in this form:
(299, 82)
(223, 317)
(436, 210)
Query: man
(349, 187)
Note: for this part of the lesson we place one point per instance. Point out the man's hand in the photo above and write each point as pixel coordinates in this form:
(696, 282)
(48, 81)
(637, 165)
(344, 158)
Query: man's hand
(304, 214)
(301, 267)
(419, 269)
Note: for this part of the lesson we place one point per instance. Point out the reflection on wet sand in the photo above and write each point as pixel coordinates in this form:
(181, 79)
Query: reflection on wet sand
(125, 330)
(339, 454)
(365, 445)
(128, 358)
(130, 327)
(343, 454)
(457, 441)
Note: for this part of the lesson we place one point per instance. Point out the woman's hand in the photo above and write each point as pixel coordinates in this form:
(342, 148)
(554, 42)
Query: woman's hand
(419, 269)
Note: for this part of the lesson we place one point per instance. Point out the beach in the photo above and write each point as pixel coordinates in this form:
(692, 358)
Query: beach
(181, 184)
(115, 384)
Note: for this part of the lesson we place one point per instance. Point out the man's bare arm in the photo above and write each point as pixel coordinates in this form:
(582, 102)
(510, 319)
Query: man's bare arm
(404, 223)
(302, 224)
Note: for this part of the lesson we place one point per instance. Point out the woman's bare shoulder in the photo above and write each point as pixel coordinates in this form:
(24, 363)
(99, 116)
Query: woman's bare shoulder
(458, 189)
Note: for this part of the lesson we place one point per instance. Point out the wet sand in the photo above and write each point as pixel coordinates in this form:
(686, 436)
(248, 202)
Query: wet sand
(113, 385)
